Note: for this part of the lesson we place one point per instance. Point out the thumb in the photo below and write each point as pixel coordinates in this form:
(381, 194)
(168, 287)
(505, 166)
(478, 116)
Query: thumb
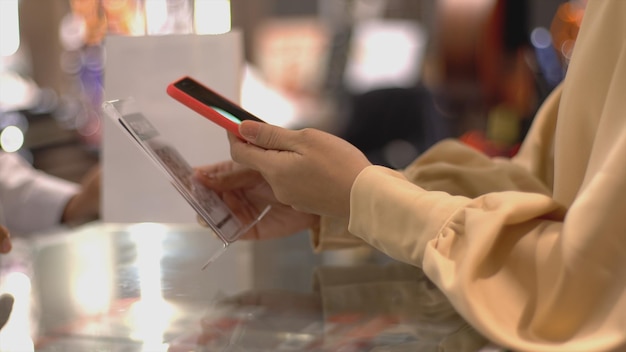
(265, 135)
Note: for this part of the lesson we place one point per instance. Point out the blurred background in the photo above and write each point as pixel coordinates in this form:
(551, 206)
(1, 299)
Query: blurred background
(390, 76)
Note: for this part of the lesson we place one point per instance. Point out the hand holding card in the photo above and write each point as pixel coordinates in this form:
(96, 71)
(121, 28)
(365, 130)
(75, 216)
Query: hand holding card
(207, 204)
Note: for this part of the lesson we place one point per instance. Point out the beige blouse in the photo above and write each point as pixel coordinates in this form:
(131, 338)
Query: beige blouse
(530, 251)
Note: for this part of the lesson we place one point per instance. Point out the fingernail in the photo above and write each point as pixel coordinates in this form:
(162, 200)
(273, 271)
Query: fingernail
(6, 245)
(249, 130)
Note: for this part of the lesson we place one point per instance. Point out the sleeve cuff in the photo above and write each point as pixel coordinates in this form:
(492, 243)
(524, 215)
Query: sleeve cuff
(45, 202)
(396, 216)
(332, 233)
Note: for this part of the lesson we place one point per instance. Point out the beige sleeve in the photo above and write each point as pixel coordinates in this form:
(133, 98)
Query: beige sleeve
(523, 274)
(450, 167)
(522, 269)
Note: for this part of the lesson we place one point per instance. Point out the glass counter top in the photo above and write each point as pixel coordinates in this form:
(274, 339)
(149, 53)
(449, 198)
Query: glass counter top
(140, 287)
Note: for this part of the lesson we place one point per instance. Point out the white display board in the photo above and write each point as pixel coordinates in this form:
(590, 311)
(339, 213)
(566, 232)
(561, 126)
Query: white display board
(142, 67)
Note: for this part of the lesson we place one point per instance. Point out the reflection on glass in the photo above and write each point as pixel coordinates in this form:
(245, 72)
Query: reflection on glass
(92, 288)
(151, 315)
(16, 334)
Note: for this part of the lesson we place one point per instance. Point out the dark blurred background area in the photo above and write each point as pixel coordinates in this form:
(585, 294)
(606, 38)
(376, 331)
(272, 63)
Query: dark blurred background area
(393, 77)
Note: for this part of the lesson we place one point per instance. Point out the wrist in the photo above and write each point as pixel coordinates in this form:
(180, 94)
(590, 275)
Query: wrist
(77, 211)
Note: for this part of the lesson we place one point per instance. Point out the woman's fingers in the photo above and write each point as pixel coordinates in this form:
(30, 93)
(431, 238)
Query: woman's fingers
(227, 179)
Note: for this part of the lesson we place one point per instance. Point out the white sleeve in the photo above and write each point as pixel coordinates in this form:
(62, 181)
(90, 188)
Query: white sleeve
(31, 199)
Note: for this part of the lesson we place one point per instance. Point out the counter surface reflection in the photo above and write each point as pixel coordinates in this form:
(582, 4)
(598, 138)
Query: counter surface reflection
(110, 287)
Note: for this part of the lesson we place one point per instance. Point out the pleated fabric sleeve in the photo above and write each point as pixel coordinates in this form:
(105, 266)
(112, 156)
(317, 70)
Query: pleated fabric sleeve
(530, 251)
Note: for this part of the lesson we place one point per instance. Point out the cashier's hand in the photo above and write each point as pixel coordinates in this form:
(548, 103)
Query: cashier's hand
(85, 205)
(310, 170)
(6, 300)
(247, 194)
(5, 240)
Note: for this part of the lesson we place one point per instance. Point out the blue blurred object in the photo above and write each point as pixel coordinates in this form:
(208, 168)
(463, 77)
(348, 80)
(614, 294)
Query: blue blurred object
(547, 58)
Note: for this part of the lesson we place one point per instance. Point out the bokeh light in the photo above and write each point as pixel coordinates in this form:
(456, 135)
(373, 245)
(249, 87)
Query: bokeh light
(11, 139)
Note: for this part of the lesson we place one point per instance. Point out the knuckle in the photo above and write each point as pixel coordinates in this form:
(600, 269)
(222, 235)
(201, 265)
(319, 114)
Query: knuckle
(282, 197)
(269, 138)
(272, 139)
(234, 154)
(307, 133)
